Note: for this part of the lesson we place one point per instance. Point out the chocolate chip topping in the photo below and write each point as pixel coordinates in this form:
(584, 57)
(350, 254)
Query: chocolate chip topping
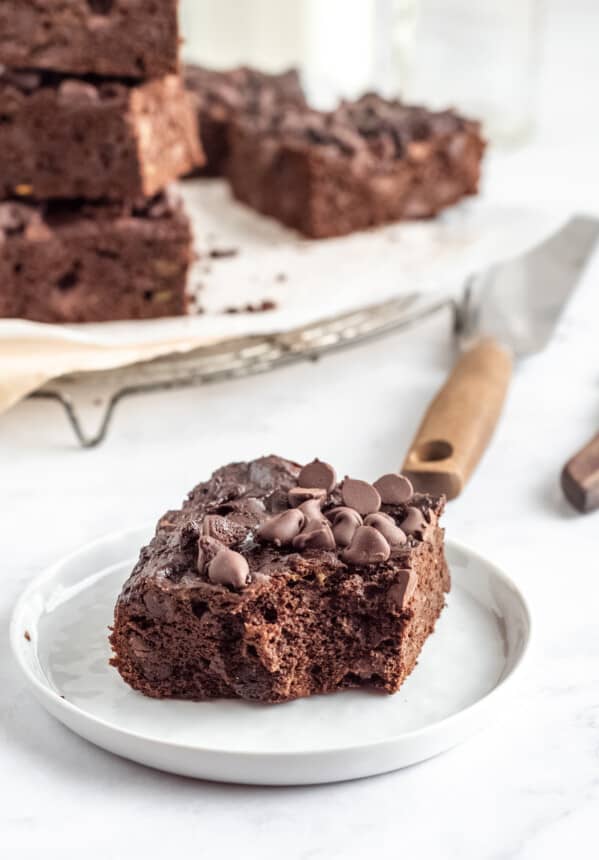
(387, 527)
(318, 474)
(208, 548)
(282, 528)
(316, 535)
(223, 529)
(345, 522)
(394, 489)
(414, 522)
(304, 518)
(298, 495)
(229, 568)
(312, 510)
(361, 496)
(367, 547)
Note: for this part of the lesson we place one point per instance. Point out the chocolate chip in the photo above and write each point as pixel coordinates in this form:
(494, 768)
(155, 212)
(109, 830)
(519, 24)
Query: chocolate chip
(140, 647)
(361, 496)
(298, 495)
(368, 547)
(394, 489)
(414, 523)
(318, 474)
(229, 568)
(282, 528)
(345, 522)
(13, 218)
(77, 92)
(400, 593)
(223, 529)
(312, 511)
(387, 527)
(208, 548)
(160, 605)
(316, 535)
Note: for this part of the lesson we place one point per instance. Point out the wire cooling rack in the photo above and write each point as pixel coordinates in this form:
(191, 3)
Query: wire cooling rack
(89, 399)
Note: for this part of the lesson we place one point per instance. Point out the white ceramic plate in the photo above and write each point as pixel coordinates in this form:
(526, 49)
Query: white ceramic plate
(59, 630)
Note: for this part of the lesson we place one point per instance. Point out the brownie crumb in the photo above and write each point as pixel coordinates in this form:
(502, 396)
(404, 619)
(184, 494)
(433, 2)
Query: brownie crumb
(259, 308)
(27, 635)
(223, 253)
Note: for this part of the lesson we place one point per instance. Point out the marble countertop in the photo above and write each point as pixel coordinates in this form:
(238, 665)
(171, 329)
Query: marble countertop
(528, 786)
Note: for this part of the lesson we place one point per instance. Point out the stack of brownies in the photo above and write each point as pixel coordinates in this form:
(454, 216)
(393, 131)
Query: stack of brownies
(95, 123)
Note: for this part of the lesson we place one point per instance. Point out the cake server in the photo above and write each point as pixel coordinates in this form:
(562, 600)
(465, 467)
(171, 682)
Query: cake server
(511, 311)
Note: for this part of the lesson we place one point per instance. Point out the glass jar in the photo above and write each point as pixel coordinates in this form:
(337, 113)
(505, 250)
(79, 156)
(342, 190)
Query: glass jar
(480, 56)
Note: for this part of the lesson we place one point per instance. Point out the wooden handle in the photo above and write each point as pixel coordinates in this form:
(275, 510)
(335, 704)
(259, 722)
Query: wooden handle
(460, 421)
(580, 478)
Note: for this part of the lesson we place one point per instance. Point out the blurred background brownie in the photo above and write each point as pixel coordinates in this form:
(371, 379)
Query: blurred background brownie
(367, 163)
(66, 261)
(94, 125)
(65, 137)
(117, 38)
(221, 96)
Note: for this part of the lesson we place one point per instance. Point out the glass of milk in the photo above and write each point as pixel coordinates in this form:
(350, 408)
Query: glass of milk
(479, 56)
(342, 47)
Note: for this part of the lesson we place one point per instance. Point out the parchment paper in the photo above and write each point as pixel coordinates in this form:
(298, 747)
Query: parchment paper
(247, 260)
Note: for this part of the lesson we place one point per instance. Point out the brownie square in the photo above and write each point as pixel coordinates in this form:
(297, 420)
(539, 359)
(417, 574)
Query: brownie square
(274, 582)
(220, 96)
(62, 137)
(367, 163)
(84, 262)
(120, 38)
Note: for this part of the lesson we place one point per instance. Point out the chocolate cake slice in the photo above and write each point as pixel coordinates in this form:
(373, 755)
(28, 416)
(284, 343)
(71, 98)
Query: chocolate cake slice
(369, 162)
(221, 96)
(70, 261)
(93, 139)
(274, 582)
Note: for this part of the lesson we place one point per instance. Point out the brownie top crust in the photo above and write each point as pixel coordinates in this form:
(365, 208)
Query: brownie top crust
(371, 128)
(223, 94)
(257, 520)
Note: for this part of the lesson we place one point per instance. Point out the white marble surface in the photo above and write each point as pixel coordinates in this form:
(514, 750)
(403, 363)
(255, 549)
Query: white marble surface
(528, 787)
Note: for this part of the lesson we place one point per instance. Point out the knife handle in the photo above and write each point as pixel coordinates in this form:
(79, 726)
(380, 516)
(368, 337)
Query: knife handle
(580, 478)
(460, 421)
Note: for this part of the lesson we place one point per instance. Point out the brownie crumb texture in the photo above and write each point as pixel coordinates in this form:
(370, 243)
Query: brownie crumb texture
(274, 582)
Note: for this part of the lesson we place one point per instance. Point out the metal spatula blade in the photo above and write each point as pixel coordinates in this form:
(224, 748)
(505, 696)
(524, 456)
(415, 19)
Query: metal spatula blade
(519, 302)
(512, 311)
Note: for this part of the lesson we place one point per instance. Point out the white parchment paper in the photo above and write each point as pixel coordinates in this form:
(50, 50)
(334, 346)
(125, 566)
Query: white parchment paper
(306, 280)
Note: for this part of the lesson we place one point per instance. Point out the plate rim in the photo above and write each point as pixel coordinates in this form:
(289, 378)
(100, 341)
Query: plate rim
(46, 694)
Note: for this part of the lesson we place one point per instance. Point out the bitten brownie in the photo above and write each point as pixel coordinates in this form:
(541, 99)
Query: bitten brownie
(274, 582)
(369, 162)
(67, 138)
(220, 96)
(119, 38)
(84, 262)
